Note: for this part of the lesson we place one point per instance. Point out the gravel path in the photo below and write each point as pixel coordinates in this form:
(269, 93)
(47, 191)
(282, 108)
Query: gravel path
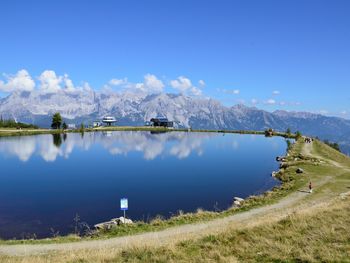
(161, 237)
(267, 213)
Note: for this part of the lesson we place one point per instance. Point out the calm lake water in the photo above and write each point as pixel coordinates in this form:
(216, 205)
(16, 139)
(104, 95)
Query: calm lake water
(46, 180)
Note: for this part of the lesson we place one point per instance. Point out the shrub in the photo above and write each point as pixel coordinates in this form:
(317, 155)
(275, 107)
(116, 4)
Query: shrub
(14, 124)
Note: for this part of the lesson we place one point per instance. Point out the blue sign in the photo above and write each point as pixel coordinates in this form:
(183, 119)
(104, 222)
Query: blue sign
(124, 204)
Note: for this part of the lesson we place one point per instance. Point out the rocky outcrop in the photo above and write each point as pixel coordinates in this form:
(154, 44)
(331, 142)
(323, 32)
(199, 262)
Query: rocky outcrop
(113, 222)
(237, 201)
(87, 105)
(281, 159)
(299, 171)
(344, 196)
(236, 204)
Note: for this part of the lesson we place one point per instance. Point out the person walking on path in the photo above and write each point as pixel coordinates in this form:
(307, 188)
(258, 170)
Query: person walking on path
(310, 187)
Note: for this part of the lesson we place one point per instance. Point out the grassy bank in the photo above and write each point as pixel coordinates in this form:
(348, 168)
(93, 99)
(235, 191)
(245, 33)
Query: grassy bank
(315, 235)
(290, 182)
(315, 169)
(320, 236)
(313, 229)
(5, 132)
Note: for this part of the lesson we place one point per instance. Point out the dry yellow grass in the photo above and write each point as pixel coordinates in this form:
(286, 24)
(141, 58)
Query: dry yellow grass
(318, 234)
(312, 229)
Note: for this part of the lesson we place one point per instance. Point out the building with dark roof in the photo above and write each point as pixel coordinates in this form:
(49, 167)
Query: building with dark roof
(161, 122)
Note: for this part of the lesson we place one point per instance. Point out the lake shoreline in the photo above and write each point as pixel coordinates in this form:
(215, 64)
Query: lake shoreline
(280, 218)
(159, 224)
(7, 132)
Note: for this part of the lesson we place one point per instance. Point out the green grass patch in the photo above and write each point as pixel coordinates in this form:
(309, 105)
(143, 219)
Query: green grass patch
(311, 236)
(290, 182)
(319, 237)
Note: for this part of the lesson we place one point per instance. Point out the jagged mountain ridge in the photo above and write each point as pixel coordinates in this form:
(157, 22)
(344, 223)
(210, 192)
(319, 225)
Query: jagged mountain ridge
(135, 108)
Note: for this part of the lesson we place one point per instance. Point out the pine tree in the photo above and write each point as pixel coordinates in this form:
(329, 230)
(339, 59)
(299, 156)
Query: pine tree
(56, 121)
(298, 135)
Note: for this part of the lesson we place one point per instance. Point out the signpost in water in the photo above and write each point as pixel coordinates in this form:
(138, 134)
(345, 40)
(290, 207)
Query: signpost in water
(124, 205)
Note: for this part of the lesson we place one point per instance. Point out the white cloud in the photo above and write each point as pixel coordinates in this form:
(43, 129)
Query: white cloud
(150, 84)
(23, 147)
(254, 101)
(293, 103)
(344, 112)
(184, 85)
(49, 82)
(86, 86)
(196, 91)
(230, 91)
(118, 82)
(68, 83)
(276, 92)
(22, 81)
(270, 102)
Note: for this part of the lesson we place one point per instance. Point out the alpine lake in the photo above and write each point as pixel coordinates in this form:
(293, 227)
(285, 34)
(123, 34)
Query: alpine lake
(47, 180)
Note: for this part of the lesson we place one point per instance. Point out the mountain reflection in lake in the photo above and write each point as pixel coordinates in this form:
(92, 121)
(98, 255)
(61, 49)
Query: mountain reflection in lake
(47, 179)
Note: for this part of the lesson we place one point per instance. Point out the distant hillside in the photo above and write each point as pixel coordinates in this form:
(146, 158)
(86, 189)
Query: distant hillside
(14, 124)
(85, 106)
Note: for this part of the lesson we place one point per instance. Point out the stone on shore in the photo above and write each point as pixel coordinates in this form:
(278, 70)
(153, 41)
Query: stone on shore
(299, 171)
(280, 159)
(124, 220)
(113, 222)
(344, 196)
(236, 203)
(238, 199)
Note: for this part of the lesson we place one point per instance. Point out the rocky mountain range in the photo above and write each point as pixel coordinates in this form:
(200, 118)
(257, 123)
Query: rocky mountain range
(130, 108)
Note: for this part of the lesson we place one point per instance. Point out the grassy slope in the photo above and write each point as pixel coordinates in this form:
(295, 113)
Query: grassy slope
(4, 132)
(316, 236)
(289, 184)
(320, 235)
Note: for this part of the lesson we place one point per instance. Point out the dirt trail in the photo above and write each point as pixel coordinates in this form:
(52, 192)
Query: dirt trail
(307, 151)
(269, 213)
(161, 237)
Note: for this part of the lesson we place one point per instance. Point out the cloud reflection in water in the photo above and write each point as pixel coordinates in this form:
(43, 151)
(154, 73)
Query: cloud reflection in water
(49, 147)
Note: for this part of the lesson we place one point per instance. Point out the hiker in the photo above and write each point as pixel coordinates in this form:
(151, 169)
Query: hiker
(307, 140)
(310, 187)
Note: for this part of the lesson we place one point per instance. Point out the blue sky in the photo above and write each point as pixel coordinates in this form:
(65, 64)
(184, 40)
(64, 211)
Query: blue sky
(244, 51)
